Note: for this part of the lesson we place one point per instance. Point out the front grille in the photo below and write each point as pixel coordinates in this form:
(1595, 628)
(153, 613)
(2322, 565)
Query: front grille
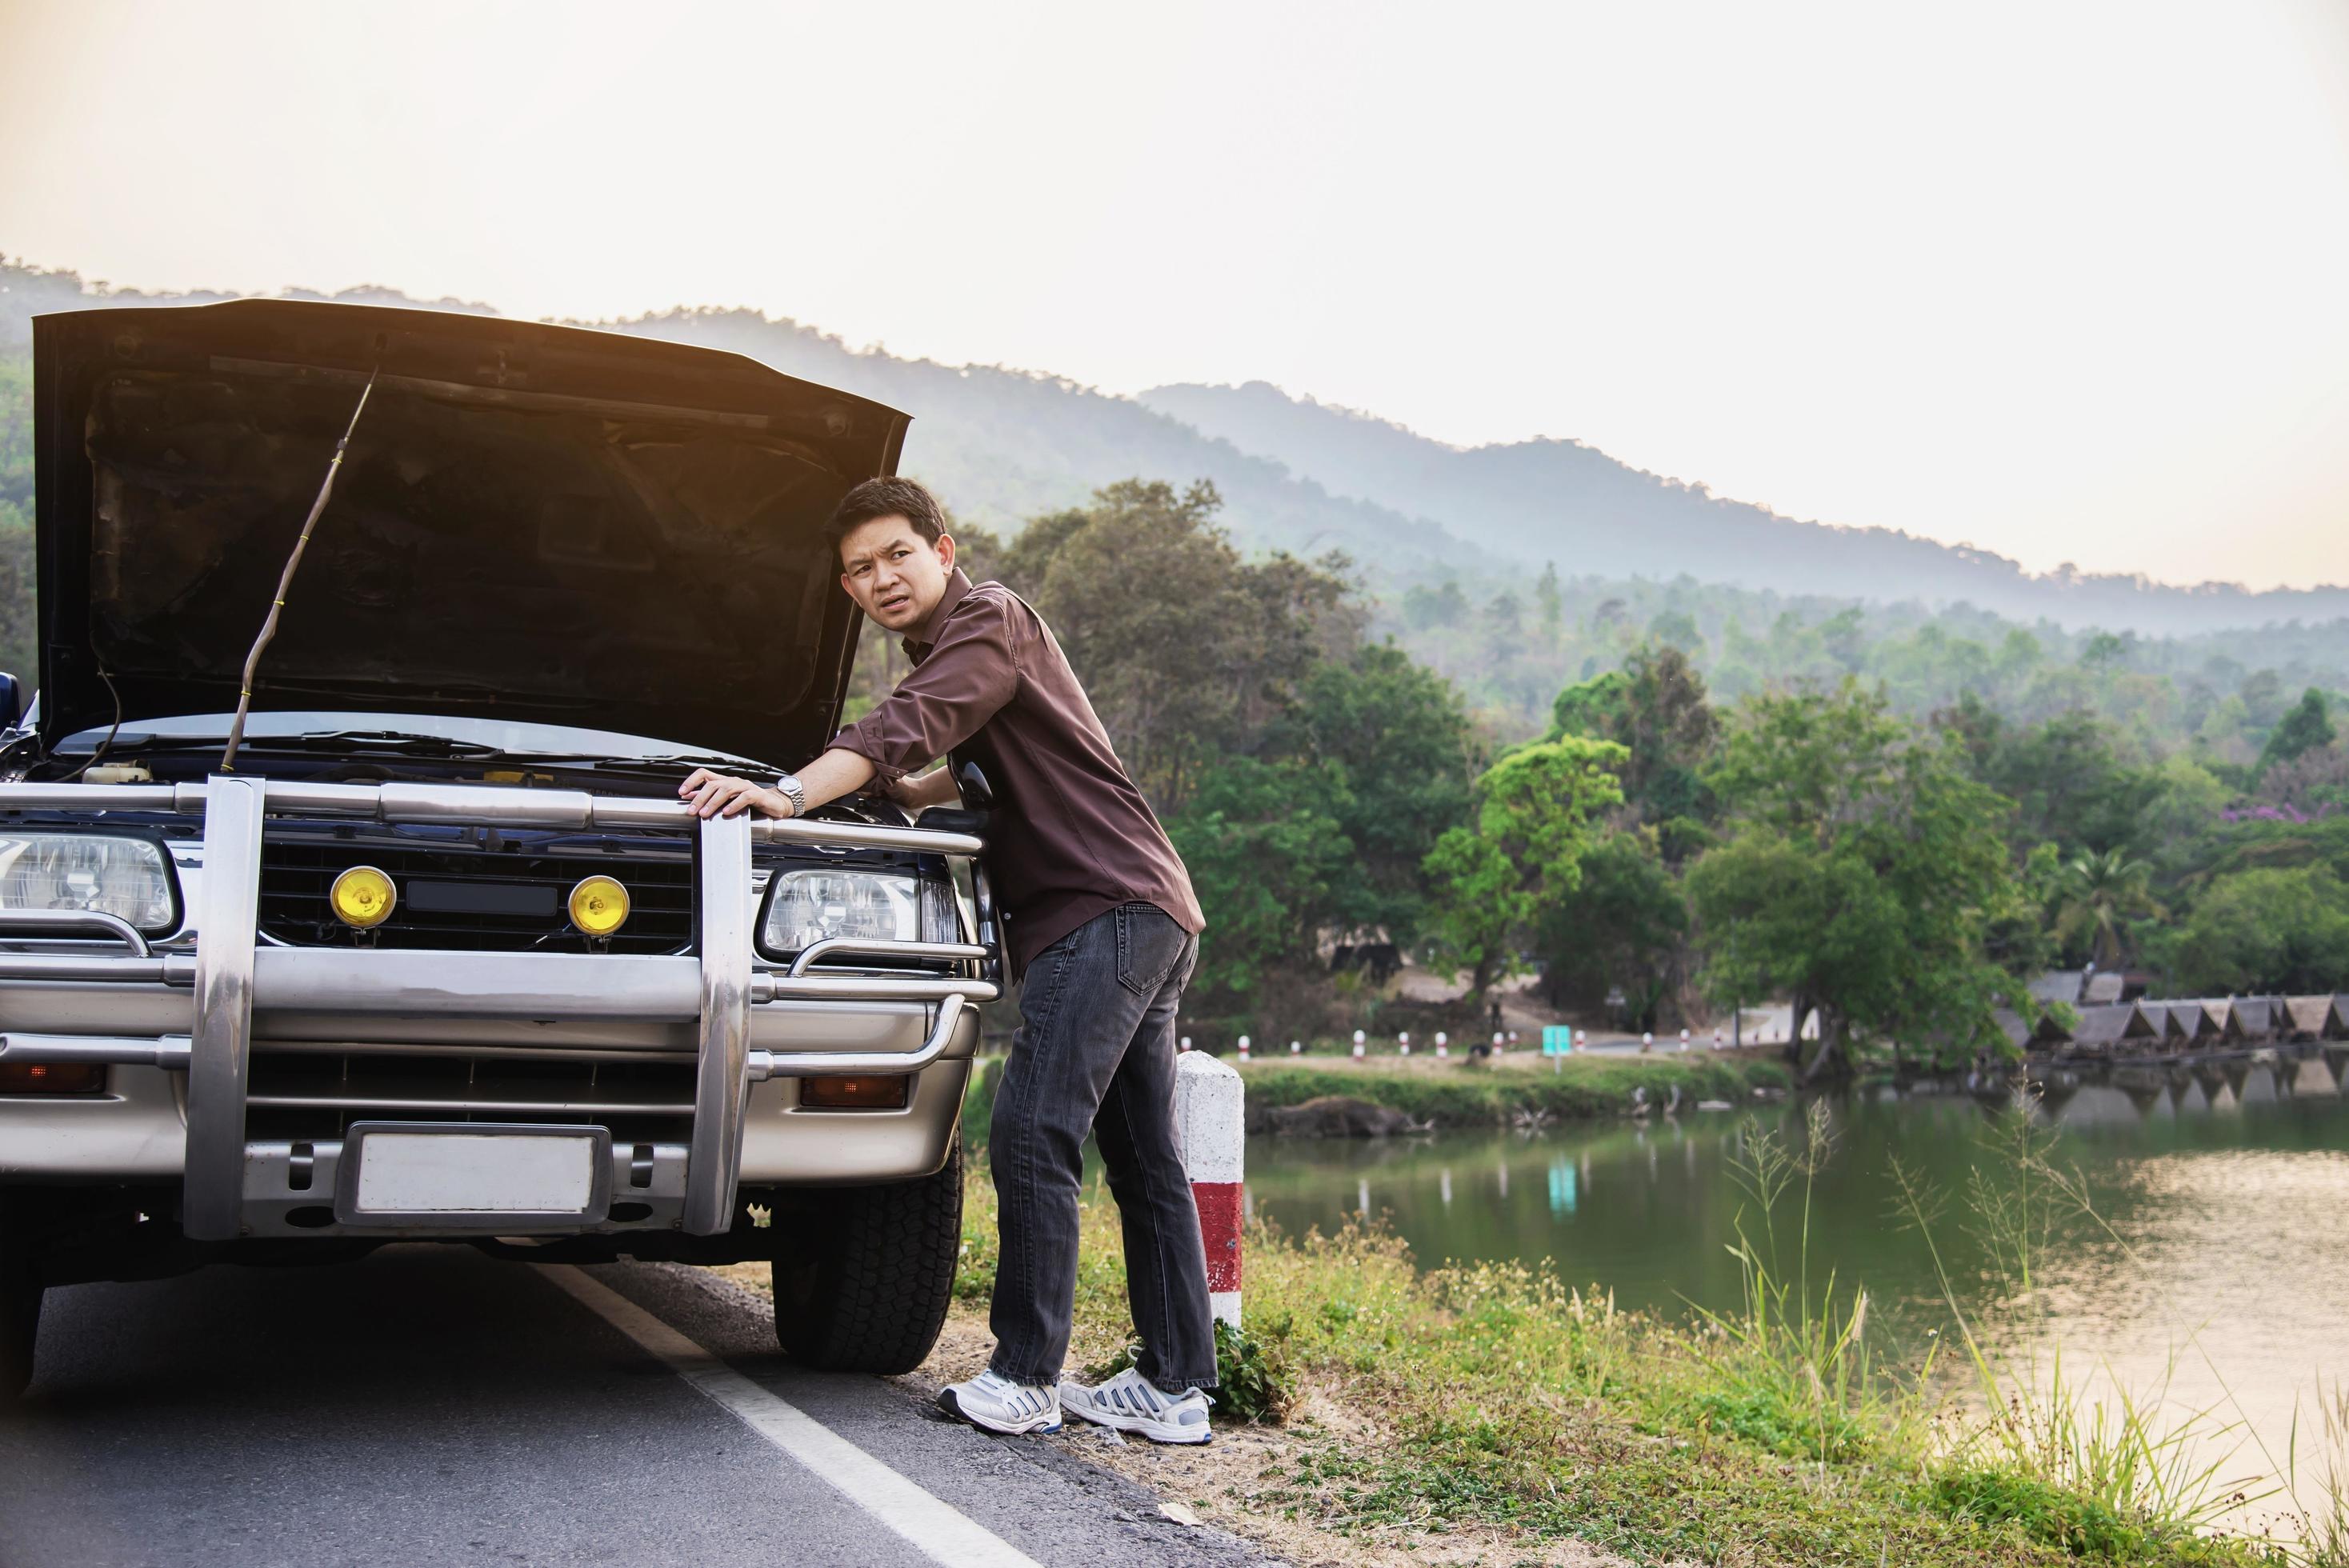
(313, 1093)
(475, 889)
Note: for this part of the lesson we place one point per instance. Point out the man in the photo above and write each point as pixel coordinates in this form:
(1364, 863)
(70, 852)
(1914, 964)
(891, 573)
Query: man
(1102, 927)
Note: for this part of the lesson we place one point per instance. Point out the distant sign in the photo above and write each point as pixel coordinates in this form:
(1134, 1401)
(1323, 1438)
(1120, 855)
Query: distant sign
(1557, 1039)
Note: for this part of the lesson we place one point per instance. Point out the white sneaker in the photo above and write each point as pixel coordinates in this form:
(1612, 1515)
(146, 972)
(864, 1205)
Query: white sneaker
(1133, 1403)
(1002, 1406)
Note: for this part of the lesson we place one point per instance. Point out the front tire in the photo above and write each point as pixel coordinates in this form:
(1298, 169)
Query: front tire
(865, 1288)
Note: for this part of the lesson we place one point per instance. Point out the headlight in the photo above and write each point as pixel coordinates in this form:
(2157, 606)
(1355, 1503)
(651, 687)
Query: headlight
(115, 875)
(804, 907)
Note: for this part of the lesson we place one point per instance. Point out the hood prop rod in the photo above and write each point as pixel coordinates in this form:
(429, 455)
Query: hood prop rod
(286, 582)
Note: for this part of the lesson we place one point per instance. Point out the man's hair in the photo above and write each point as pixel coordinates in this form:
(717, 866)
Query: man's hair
(888, 497)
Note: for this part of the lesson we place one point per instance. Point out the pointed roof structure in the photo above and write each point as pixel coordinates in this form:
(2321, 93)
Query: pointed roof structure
(2116, 1027)
(2104, 988)
(2317, 1017)
(2057, 986)
(2260, 1018)
(2183, 1024)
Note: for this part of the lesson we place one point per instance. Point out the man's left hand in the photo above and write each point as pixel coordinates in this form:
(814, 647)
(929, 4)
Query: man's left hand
(719, 794)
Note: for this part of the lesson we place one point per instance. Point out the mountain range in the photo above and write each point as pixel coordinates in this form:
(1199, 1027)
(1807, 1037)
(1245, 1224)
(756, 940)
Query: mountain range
(1002, 445)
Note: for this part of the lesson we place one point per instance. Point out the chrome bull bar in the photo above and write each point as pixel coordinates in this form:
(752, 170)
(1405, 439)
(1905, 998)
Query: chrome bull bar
(230, 974)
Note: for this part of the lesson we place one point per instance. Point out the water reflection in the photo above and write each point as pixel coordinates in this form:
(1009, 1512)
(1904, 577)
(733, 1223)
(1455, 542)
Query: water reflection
(2218, 1258)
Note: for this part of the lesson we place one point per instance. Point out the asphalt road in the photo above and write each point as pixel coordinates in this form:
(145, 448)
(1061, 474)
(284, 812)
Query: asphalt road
(431, 1405)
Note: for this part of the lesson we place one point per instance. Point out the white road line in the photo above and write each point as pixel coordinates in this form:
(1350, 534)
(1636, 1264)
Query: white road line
(932, 1524)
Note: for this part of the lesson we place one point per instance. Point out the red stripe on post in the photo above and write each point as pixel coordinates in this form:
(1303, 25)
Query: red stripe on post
(1219, 1230)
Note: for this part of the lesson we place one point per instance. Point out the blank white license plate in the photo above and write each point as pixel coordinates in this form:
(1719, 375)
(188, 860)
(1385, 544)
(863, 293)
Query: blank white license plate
(475, 1174)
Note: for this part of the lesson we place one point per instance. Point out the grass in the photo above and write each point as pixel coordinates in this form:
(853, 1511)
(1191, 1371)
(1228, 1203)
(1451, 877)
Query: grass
(1475, 1400)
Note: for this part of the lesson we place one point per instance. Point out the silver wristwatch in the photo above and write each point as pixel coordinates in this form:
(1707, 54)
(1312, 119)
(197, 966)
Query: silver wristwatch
(791, 790)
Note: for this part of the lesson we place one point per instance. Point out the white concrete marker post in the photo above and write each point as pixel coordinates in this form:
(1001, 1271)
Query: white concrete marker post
(1211, 1115)
(1187, 1042)
(1402, 1042)
(1296, 1047)
(1358, 1045)
(1244, 1047)
(1683, 1039)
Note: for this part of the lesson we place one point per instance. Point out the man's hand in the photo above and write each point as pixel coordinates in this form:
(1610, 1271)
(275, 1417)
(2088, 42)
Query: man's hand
(719, 794)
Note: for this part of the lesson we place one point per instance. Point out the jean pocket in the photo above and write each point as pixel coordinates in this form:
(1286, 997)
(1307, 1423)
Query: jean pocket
(1149, 946)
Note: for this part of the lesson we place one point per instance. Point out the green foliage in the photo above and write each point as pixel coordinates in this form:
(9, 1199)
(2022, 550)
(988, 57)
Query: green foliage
(1253, 1380)
(2100, 895)
(1863, 875)
(1523, 851)
(1624, 926)
(17, 633)
(1186, 649)
(2307, 727)
(1268, 854)
(1392, 740)
(2265, 931)
(1655, 708)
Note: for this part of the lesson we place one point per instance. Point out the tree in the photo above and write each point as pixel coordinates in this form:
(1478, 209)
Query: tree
(2307, 727)
(1549, 605)
(1522, 850)
(1862, 876)
(1186, 651)
(2272, 929)
(2100, 894)
(1271, 865)
(1394, 735)
(1656, 707)
(1624, 925)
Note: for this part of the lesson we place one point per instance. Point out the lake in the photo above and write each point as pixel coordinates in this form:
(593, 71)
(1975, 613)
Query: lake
(2222, 1264)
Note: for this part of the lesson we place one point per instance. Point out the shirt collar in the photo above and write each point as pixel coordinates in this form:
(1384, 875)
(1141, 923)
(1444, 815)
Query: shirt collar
(920, 641)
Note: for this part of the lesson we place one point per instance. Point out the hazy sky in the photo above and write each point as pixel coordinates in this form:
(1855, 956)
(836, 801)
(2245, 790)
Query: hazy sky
(2069, 281)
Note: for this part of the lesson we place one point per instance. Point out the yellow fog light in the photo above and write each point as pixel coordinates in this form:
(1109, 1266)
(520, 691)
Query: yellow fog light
(363, 897)
(599, 906)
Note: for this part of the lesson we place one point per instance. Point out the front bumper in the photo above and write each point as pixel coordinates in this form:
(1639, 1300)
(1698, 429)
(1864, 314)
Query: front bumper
(180, 1027)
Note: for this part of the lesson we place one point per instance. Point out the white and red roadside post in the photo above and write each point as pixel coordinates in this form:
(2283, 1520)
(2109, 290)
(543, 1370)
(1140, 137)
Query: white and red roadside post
(1683, 1039)
(1296, 1047)
(1402, 1042)
(1211, 1117)
(1442, 1044)
(1244, 1047)
(1358, 1045)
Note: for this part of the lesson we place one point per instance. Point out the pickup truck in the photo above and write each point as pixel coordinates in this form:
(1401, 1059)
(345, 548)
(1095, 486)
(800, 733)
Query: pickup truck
(433, 952)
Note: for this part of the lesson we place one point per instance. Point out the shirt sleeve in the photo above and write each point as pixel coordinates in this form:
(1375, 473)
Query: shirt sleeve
(970, 675)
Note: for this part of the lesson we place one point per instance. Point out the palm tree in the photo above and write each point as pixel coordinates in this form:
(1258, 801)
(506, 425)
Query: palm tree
(2101, 893)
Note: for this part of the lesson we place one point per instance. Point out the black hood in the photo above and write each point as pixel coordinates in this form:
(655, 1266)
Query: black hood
(532, 523)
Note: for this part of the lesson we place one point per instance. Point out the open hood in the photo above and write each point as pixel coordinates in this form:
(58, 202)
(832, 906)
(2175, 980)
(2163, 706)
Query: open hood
(532, 523)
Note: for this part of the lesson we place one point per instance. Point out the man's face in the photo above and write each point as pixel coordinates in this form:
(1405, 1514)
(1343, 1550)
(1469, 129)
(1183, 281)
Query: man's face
(896, 575)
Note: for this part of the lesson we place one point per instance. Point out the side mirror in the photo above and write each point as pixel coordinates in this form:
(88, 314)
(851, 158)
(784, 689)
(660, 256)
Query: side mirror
(12, 699)
(977, 795)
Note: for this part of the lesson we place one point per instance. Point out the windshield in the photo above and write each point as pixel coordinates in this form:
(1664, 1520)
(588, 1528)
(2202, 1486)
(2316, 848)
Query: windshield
(514, 737)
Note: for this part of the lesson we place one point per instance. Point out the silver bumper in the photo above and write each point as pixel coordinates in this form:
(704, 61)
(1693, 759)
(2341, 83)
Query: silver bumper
(180, 1028)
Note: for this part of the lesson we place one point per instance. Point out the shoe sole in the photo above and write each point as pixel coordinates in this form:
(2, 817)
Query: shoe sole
(953, 1407)
(1139, 1426)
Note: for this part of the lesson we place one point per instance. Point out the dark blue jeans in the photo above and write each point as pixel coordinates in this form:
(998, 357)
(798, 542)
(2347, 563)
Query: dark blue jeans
(1096, 1052)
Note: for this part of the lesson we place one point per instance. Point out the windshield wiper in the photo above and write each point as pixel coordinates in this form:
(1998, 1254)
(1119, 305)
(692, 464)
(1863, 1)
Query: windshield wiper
(358, 742)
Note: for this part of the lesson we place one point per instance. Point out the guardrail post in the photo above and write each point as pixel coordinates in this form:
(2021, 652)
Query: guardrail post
(1210, 1115)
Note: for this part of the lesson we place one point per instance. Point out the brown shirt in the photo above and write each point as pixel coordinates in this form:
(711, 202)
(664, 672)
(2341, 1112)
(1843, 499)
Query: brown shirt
(1072, 837)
